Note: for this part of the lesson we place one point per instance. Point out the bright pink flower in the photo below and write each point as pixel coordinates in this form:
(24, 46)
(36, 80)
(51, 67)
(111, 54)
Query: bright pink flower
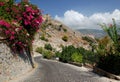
(7, 32)
(20, 18)
(31, 17)
(12, 37)
(26, 22)
(4, 23)
(36, 11)
(7, 25)
(33, 13)
(37, 21)
(28, 9)
(24, 14)
(12, 33)
(20, 28)
(19, 43)
(40, 19)
(28, 17)
(2, 3)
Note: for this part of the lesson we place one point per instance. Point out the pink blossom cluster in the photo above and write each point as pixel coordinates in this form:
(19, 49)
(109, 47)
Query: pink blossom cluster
(31, 17)
(23, 24)
(4, 23)
(2, 3)
(7, 29)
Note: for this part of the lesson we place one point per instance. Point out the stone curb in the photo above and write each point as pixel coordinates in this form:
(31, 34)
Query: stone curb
(104, 73)
(77, 64)
(98, 71)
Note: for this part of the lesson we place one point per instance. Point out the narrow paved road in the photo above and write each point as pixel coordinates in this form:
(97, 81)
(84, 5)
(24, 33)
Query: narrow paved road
(53, 71)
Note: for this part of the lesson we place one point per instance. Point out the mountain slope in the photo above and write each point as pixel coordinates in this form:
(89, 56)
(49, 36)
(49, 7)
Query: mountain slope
(53, 32)
(94, 32)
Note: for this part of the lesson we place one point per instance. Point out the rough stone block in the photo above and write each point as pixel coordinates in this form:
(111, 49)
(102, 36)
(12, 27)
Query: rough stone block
(10, 66)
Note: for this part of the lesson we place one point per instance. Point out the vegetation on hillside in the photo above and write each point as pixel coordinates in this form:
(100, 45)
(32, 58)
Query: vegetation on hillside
(47, 51)
(104, 52)
(65, 38)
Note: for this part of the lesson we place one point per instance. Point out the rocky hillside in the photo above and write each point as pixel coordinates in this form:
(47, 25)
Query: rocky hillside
(57, 34)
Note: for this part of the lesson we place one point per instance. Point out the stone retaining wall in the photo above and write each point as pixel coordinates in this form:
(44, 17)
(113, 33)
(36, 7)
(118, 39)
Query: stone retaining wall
(12, 66)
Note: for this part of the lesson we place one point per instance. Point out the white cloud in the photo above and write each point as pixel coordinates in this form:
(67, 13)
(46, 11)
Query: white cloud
(77, 20)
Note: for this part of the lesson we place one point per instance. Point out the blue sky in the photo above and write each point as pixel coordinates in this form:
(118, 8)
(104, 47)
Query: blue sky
(80, 14)
(87, 7)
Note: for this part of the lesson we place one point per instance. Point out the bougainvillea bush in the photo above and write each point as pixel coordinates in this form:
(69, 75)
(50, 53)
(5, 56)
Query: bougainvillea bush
(18, 23)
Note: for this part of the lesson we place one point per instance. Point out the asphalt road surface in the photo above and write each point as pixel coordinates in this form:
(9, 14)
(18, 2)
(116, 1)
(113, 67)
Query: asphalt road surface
(54, 71)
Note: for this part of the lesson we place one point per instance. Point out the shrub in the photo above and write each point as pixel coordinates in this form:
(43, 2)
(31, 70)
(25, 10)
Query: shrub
(39, 50)
(65, 38)
(112, 32)
(110, 50)
(67, 53)
(57, 54)
(43, 38)
(70, 53)
(50, 24)
(59, 29)
(17, 25)
(88, 56)
(88, 39)
(81, 50)
(64, 29)
(77, 57)
(48, 47)
(110, 63)
(61, 25)
(47, 54)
